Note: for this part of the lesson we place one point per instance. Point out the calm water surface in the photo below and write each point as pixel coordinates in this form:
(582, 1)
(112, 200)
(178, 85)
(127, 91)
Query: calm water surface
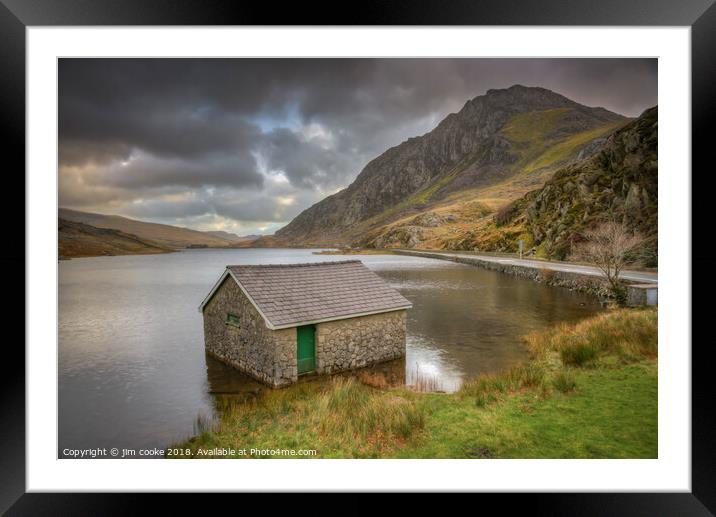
(132, 367)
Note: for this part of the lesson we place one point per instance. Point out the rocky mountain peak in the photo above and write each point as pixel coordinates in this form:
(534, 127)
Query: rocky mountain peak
(466, 149)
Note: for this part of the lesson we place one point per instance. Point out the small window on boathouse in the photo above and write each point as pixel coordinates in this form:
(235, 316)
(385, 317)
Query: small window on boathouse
(233, 320)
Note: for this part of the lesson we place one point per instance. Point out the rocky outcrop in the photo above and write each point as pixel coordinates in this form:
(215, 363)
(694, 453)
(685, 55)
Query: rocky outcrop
(466, 149)
(620, 183)
(432, 220)
(399, 237)
(410, 234)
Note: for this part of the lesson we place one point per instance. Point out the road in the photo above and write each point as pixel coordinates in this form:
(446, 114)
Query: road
(634, 276)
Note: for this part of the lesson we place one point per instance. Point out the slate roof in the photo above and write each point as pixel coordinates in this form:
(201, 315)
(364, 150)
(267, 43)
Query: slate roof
(292, 294)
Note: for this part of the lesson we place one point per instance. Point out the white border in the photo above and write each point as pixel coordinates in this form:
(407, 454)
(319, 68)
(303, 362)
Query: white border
(670, 472)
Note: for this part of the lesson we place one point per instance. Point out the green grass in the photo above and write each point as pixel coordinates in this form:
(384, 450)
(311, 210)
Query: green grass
(534, 134)
(611, 413)
(550, 407)
(529, 375)
(567, 148)
(523, 127)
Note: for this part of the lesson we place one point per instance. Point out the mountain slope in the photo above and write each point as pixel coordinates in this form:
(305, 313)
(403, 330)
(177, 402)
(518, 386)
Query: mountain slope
(82, 240)
(519, 133)
(162, 235)
(618, 183)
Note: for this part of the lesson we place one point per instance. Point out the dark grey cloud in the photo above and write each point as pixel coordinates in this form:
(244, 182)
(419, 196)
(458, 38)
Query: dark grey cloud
(141, 170)
(251, 142)
(183, 130)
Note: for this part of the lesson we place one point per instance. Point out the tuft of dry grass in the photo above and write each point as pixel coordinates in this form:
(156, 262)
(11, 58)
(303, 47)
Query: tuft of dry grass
(339, 411)
(351, 409)
(425, 383)
(488, 388)
(629, 334)
(373, 379)
(564, 381)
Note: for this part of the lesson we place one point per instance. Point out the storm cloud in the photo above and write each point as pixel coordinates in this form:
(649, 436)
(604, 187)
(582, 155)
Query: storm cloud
(245, 144)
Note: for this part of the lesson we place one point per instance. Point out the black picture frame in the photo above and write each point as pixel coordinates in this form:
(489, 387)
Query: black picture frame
(700, 15)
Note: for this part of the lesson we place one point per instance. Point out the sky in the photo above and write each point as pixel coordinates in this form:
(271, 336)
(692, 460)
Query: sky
(244, 145)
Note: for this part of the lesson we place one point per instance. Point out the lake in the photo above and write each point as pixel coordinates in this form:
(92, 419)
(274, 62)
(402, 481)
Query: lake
(132, 367)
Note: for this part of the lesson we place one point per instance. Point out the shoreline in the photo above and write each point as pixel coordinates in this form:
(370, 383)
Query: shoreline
(356, 251)
(585, 281)
(163, 252)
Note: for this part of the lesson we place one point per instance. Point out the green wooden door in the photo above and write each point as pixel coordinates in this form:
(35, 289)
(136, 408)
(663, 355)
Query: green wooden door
(306, 348)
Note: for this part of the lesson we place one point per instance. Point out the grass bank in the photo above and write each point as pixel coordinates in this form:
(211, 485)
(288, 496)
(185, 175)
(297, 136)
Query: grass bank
(589, 391)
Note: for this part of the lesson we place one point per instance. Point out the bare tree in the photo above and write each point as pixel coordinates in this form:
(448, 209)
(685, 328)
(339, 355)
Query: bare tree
(606, 247)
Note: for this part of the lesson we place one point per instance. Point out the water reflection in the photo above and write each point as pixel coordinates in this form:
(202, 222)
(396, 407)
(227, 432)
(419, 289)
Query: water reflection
(225, 382)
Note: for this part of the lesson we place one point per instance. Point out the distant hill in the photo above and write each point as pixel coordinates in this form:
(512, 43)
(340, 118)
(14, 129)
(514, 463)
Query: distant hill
(82, 240)
(232, 237)
(498, 147)
(162, 235)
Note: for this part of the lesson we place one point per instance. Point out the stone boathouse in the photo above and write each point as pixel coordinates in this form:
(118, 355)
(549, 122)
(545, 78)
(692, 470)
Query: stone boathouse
(276, 322)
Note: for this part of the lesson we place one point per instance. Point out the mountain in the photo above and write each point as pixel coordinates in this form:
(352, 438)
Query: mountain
(496, 148)
(162, 235)
(82, 240)
(232, 237)
(619, 183)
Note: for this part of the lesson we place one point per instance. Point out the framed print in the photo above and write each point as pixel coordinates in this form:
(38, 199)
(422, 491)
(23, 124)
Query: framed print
(417, 253)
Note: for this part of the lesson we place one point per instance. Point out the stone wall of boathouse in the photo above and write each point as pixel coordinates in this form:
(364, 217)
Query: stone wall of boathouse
(270, 356)
(267, 355)
(357, 342)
